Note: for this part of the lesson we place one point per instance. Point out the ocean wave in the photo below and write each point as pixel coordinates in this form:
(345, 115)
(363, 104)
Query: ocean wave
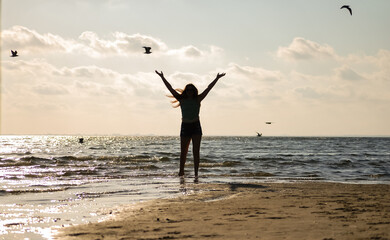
(257, 174)
(377, 175)
(63, 159)
(219, 164)
(92, 195)
(68, 160)
(344, 162)
(79, 172)
(32, 190)
(235, 173)
(268, 159)
(114, 159)
(24, 161)
(143, 167)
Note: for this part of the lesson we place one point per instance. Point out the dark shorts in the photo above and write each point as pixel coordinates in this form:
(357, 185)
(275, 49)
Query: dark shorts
(190, 129)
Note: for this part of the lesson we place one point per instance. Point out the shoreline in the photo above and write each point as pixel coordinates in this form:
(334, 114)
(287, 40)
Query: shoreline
(302, 210)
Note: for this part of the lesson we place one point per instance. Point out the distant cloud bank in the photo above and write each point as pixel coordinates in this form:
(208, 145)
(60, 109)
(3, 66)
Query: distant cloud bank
(90, 44)
(88, 82)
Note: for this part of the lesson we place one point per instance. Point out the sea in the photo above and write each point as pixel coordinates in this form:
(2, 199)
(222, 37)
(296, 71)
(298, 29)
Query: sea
(50, 182)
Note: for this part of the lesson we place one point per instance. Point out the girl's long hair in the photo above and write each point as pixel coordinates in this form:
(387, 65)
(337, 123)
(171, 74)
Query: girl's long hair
(183, 94)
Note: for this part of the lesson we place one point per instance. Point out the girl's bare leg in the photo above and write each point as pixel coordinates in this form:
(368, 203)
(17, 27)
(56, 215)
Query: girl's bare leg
(184, 144)
(196, 139)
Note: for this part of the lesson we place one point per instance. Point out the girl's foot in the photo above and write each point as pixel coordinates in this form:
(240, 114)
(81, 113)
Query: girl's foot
(196, 179)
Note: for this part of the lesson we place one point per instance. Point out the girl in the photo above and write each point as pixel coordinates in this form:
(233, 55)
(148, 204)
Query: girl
(189, 102)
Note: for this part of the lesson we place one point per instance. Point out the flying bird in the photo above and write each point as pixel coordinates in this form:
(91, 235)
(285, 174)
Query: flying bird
(268, 122)
(14, 53)
(259, 134)
(347, 7)
(147, 50)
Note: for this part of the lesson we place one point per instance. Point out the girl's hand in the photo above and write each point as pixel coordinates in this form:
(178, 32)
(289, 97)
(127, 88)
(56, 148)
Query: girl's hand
(219, 75)
(161, 74)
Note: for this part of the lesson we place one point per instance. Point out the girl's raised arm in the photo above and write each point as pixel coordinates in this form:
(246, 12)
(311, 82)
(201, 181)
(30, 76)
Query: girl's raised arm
(211, 85)
(168, 85)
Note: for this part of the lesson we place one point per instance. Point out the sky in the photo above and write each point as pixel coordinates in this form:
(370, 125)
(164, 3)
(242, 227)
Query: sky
(308, 67)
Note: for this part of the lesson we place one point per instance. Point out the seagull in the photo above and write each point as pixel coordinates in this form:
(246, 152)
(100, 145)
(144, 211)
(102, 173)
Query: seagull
(259, 134)
(147, 50)
(14, 53)
(347, 7)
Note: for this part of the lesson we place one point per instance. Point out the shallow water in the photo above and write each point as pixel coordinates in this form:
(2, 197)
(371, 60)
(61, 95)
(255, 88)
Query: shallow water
(51, 181)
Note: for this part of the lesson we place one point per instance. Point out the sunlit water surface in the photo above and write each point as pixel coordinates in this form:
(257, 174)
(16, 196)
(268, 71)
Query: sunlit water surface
(52, 181)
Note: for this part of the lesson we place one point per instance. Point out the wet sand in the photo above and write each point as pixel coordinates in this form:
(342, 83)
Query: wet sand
(307, 210)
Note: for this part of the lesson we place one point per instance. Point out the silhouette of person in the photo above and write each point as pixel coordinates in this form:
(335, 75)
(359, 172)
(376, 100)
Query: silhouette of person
(189, 101)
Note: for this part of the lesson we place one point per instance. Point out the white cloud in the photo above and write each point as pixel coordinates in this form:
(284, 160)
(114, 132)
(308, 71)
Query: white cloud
(120, 44)
(90, 44)
(185, 77)
(254, 73)
(30, 40)
(27, 71)
(97, 90)
(308, 92)
(342, 79)
(91, 72)
(303, 49)
(32, 79)
(191, 52)
(380, 60)
(347, 73)
(50, 89)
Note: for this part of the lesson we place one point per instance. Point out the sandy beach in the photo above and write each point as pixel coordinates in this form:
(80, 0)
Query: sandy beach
(303, 210)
